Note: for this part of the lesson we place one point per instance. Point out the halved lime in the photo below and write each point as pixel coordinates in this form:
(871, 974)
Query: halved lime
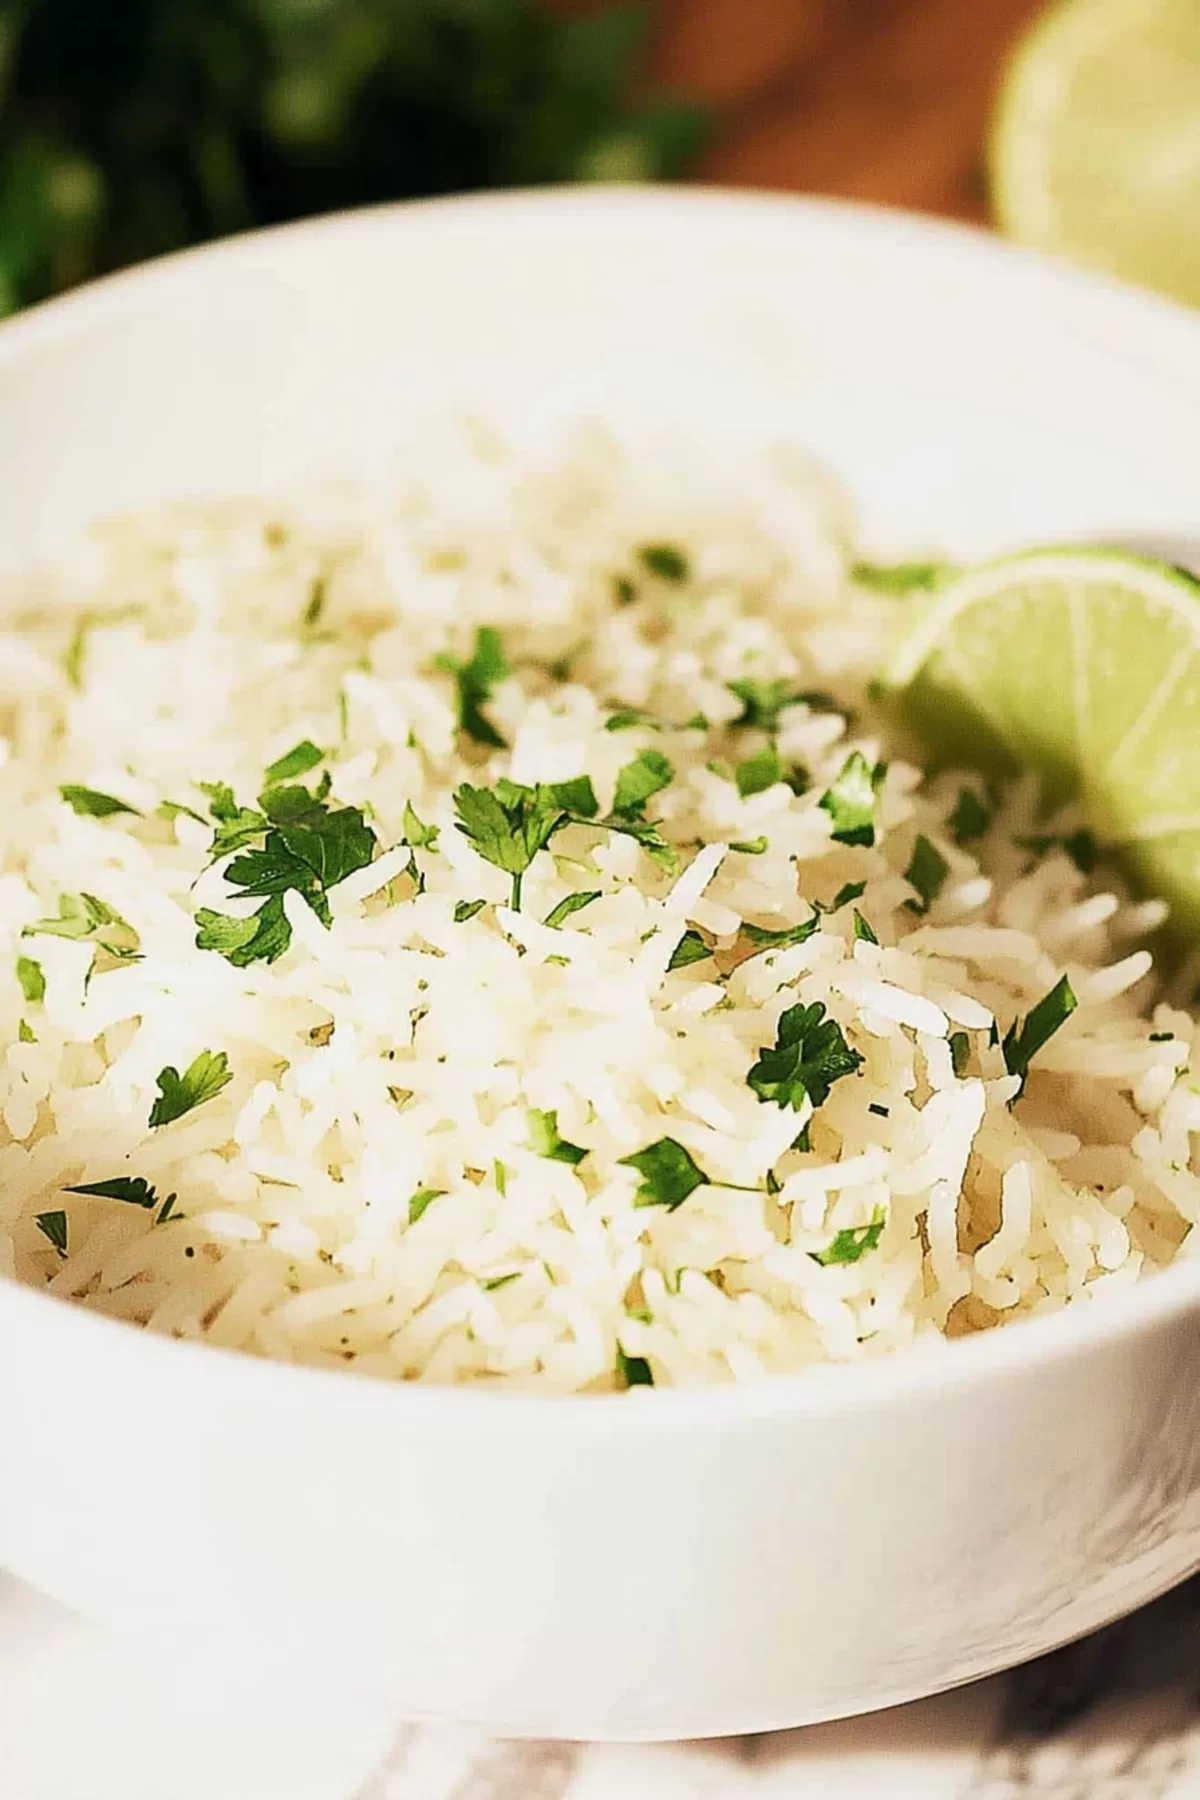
(1096, 149)
(1083, 665)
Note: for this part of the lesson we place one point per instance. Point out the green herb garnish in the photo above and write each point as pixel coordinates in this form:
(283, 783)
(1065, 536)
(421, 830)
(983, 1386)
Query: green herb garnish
(1080, 846)
(898, 578)
(576, 796)
(417, 834)
(53, 1226)
(927, 871)
(203, 1079)
(422, 1200)
(690, 949)
(850, 1245)
(25, 1032)
(810, 1053)
(83, 916)
(639, 781)
(784, 938)
(852, 800)
(1022, 1044)
(669, 1174)
(667, 561)
(297, 761)
(572, 903)
(172, 810)
(92, 805)
(759, 772)
(545, 1141)
(960, 1052)
(970, 818)
(466, 909)
(751, 846)
(32, 980)
(476, 681)
(507, 825)
(130, 1188)
(633, 1371)
(762, 703)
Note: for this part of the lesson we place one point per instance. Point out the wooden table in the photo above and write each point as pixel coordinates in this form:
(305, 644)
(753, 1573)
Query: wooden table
(884, 100)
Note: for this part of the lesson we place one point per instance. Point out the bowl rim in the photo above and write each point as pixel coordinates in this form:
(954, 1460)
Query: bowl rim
(1139, 327)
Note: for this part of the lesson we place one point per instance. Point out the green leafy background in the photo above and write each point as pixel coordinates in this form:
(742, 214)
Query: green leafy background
(133, 127)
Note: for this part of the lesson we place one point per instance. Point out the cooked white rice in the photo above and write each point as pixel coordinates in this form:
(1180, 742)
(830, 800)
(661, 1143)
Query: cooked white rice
(402, 1051)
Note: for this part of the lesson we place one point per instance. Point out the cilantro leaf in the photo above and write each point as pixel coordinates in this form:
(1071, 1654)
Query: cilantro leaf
(851, 801)
(422, 1200)
(545, 1141)
(809, 1055)
(852, 890)
(53, 1226)
(751, 846)
(669, 1174)
(261, 938)
(576, 796)
(633, 1371)
(759, 772)
(476, 680)
(507, 826)
(862, 930)
(298, 761)
(970, 818)
(784, 939)
(236, 826)
(1053, 1010)
(627, 717)
(421, 837)
(927, 872)
(639, 780)
(122, 1187)
(466, 909)
(667, 561)
(960, 1052)
(573, 903)
(852, 1244)
(25, 1032)
(204, 1078)
(690, 949)
(663, 855)
(762, 703)
(1080, 846)
(172, 810)
(32, 980)
(493, 1282)
(92, 805)
(83, 916)
(898, 578)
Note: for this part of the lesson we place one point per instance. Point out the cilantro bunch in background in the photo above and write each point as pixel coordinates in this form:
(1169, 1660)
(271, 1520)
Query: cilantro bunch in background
(133, 127)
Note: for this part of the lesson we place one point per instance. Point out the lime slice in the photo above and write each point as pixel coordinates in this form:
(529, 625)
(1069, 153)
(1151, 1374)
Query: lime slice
(1083, 665)
(1095, 153)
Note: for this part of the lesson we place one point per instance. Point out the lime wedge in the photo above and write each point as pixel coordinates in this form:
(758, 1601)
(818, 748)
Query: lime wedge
(1083, 665)
(1095, 153)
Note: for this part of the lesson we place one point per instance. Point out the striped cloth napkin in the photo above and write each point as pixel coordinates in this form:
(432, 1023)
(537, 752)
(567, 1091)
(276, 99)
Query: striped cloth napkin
(1114, 1718)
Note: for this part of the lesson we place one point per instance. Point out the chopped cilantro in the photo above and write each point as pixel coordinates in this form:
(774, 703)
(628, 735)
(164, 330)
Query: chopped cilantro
(624, 591)
(785, 938)
(476, 680)
(993, 1035)
(850, 1245)
(762, 703)
(751, 846)
(927, 871)
(881, 1112)
(263, 937)
(809, 1055)
(130, 1188)
(576, 796)
(318, 592)
(970, 818)
(500, 1177)
(53, 1226)
(960, 1052)
(493, 1282)
(667, 561)
(298, 761)
(1162, 1037)
(74, 653)
(236, 826)
(545, 1141)
(1080, 846)
(1052, 1011)
(639, 780)
(759, 772)
(419, 835)
(422, 1200)
(92, 805)
(851, 801)
(862, 929)
(691, 948)
(898, 578)
(633, 1371)
(26, 1033)
(507, 826)
(663, 855)
(466, 909)
(802, 1139)
(627, 717)
(32, 980)
(572, 903)
(203, 1079)
(669, 1174)
(852, 890)
(83, 916)
(172, 810)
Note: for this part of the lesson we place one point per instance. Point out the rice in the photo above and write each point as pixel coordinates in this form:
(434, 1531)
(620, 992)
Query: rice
(401, 1146)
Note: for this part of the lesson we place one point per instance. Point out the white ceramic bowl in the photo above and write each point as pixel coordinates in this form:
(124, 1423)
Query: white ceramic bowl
(662, 1564)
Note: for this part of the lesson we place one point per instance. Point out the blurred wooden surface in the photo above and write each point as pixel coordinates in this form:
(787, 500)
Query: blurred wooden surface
(884, 100)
